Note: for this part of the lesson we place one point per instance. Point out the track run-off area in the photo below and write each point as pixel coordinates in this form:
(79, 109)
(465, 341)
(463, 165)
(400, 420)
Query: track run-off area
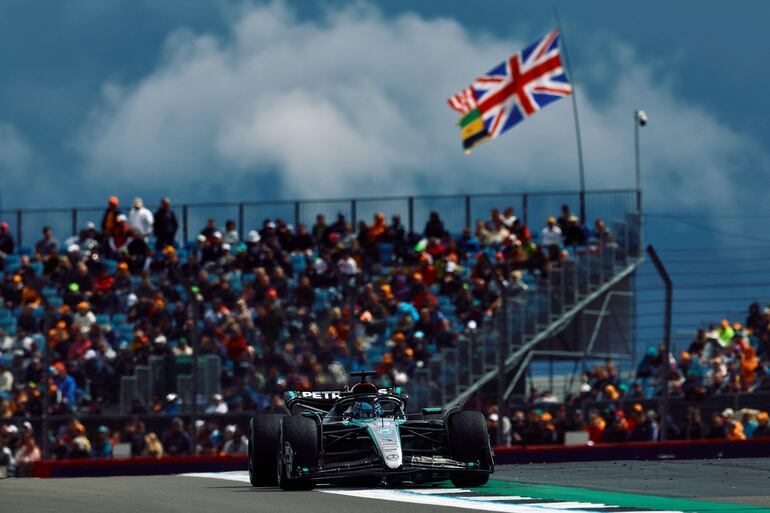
(630, 486)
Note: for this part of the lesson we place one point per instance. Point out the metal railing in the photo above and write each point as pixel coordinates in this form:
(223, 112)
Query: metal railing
(549, 300)
(457, 211)
(449, 373)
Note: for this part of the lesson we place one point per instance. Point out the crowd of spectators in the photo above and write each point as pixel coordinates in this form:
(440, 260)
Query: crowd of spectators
(72, 440)
(724, 358)
(550, 424)
(286, 307)
(727, 358)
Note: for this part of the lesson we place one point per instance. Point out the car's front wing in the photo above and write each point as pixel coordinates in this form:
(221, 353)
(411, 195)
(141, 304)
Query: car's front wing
(414, 468)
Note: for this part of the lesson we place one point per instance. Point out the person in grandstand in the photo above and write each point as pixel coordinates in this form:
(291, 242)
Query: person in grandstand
(6, 244)
(176, 441)
(165, 225)
(47, 246)
(140, 218)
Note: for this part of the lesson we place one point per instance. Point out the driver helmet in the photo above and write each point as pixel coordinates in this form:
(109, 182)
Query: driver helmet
(366, 410)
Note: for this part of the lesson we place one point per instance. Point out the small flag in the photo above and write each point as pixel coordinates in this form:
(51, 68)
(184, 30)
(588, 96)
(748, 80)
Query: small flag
(512, 91)
(472, 130)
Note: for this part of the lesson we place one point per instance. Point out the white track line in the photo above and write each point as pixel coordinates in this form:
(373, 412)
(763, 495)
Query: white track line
(441, 497)
(237, 475)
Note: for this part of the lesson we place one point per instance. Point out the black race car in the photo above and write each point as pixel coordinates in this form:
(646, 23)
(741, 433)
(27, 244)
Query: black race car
(363, 436)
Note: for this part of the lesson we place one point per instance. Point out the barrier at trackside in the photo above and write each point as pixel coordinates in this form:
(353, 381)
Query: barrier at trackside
(673, 450)
(141, 466)
(684, 450)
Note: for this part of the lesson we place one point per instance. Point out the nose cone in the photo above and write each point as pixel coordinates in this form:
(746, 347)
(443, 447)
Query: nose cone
(388, 441)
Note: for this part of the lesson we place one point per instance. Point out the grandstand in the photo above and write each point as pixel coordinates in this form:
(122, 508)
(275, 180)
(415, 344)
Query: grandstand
(232, 304)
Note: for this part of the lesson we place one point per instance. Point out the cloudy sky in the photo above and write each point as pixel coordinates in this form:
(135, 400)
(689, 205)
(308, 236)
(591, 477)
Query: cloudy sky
(240, 100)
(227, 100)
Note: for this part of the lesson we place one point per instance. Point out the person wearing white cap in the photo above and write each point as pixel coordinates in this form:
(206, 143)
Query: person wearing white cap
(218, 405)
(119, 235)
(140, 218)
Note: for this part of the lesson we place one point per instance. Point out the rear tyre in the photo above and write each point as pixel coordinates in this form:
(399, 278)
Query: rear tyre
(298, 449)
(469, 439)
(264, 430)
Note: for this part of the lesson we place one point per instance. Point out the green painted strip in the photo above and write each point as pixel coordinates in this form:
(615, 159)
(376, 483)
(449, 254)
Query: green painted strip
(470, 117)
(653, 502)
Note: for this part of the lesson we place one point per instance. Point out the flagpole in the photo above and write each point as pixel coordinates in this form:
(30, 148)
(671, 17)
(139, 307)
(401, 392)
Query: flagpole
(579, 139)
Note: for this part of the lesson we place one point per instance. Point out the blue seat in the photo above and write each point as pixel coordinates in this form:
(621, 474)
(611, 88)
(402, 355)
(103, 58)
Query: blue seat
(386, 252)
(55, 301)
(37, 267)
(298, 262)
(321, 297)
(26, 250)
(102, 319)
(119, 319)
(50, 292)
(111, 265)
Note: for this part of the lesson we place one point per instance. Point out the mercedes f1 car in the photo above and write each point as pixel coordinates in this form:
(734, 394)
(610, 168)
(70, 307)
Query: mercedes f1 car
(362, 436)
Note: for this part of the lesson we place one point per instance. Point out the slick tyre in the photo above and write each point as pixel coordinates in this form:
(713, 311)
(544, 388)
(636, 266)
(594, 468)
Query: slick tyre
(298, 449)
(470, 443)
(264, 432)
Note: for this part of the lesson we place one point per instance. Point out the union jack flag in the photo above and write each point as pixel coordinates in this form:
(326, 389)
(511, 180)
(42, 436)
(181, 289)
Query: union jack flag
(518, 87)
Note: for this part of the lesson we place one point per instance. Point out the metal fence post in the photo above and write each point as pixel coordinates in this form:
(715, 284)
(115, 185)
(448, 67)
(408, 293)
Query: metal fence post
(468, 212)
(525, 208)
(240, 221)
(353, 216)
(19, 231)
(74, 221)
(185, 233)
(296, 213)
(410, 202)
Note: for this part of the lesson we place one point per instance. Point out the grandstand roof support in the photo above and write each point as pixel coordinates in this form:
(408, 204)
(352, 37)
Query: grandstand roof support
(548, 332)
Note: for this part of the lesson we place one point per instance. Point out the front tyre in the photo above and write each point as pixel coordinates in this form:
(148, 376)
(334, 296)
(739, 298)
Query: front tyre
(263, 448)
(469, 439)
(298, 448)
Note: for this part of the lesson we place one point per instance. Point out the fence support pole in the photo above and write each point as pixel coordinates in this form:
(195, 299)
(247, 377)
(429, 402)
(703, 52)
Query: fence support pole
(468, 212)
(240, 221)
(19, 231)
(664, 403)
(502, 353)
(74, 222)
(184, 225)
(411, 213)
(525, 208)
(296, 214)
(353, 214)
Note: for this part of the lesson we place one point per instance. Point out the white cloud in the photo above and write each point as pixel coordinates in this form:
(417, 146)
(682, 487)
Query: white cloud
(15, 153)
(354, 104)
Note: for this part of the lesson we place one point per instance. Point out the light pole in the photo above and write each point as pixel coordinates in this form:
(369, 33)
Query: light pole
(640, 119)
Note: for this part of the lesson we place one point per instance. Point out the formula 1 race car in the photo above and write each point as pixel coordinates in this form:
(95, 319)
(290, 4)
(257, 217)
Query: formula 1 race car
(362, 437)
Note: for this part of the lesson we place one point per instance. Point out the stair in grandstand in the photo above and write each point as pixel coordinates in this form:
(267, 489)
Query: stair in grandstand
(578, 287)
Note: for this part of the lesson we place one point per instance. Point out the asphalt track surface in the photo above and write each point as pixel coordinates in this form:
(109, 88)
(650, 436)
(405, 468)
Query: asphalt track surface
(707, 486)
